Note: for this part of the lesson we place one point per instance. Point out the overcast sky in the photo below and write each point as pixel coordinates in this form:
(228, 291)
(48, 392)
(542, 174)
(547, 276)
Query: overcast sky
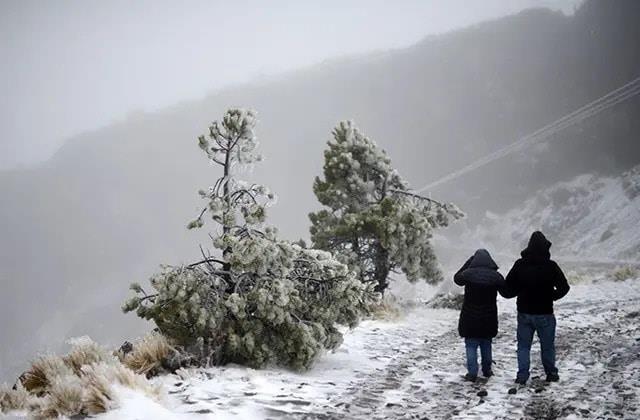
(71, 66)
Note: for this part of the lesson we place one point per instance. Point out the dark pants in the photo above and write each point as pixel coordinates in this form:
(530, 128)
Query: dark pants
(471, 345)
(545, 327)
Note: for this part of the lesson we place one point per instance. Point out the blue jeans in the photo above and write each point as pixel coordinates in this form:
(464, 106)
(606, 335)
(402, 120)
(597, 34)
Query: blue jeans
(545, 327)
(471, 345)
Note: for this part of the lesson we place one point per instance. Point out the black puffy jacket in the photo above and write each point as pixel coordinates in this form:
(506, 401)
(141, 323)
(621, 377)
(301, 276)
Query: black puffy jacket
(536, 279)
(481, 281)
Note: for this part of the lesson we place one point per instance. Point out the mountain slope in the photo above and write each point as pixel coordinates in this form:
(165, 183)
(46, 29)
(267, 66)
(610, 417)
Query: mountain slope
(590, 217)
(113, 203)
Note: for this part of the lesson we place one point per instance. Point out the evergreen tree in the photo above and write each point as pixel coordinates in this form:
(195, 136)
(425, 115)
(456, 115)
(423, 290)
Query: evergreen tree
(373, 223)
(257, 299)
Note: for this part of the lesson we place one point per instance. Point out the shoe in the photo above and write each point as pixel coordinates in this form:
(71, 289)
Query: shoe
(487, 374)
(470, 378)
(553, 377)
(520, 381)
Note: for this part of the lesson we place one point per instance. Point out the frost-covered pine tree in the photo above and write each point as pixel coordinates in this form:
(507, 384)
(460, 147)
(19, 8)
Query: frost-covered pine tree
(255, 299)
(373, 223)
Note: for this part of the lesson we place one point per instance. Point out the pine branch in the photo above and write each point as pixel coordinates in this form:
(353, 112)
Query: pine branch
(213, 158)
(206, 261)
(419, 197)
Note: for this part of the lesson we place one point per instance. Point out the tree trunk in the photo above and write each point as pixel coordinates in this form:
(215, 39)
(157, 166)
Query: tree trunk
(226, 229)
(382, 269)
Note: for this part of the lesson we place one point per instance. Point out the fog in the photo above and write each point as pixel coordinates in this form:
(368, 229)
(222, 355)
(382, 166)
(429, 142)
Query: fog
(103, 102)
(74, 66)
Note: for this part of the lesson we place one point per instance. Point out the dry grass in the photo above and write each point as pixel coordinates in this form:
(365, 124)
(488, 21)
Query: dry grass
(13, 399)
(387, 309)
(148, 354)
(84, 381)
(625, 273)
(64, 398)
(42, 372)
(99, 396)
(85, 351)
(99, 380)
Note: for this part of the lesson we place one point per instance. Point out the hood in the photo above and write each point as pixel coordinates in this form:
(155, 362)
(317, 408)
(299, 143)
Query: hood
(538, 247)
(482, 259)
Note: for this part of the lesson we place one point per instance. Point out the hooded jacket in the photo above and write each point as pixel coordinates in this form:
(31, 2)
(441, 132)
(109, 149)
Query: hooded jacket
(536, 279)
(481, 280)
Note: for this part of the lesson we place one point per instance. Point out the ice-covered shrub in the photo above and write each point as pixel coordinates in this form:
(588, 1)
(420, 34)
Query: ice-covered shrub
(625, 273)
(447, 301)
(631, 182)
(372, 221)
(573, 277)
(256, 299)
(279, 305)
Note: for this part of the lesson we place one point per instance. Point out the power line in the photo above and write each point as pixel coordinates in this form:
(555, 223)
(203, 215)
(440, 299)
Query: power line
(539, 135)
(623, 93)
(612, 98)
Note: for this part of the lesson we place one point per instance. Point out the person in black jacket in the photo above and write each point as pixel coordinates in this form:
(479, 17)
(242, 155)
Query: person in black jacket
(478, 322)
(537, 281)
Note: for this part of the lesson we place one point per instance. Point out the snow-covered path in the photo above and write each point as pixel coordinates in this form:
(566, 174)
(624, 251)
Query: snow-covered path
(411, 369)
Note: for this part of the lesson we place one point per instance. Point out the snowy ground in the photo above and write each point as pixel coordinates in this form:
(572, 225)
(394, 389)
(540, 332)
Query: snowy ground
(412, 369)
(589, 217)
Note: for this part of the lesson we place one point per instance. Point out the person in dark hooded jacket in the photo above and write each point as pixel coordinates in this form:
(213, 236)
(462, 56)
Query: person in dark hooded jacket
(537, 281)
(478, 322)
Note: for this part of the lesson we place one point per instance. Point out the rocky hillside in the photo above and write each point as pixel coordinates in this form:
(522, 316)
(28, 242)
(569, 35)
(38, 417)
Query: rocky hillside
(592, 218)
